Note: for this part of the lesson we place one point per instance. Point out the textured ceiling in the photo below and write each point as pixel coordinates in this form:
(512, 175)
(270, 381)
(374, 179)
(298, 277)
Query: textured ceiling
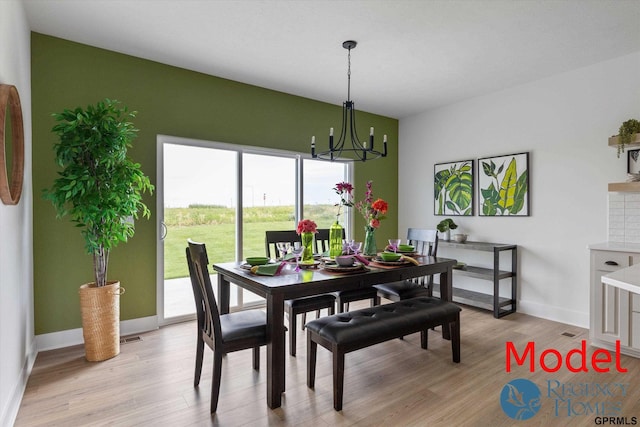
(411, 55)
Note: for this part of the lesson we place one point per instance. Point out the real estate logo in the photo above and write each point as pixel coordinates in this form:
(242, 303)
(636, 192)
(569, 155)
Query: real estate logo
(520, 399)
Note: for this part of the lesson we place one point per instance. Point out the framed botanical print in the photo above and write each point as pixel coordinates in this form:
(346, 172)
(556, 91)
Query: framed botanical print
(503, 183)
(453, 188)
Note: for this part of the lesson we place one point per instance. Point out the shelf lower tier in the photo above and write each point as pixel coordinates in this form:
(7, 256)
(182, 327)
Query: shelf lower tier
(482, 273)
(480, 300)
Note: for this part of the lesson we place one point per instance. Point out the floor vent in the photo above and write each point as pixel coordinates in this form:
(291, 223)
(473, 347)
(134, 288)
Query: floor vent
(568, 334)
(124, 340)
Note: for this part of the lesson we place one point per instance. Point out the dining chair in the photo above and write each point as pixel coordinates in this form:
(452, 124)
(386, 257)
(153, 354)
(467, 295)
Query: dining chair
(343, 298)
(303, 305)
(222, 333)
(425, 243)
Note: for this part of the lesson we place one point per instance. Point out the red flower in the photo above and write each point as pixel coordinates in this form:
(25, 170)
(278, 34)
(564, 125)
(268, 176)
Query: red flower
(380, 206)
(307, 226)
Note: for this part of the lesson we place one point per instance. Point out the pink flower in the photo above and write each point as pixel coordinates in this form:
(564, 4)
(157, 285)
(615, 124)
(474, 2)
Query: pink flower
(344, 190)
(307, 226)
(374, 223)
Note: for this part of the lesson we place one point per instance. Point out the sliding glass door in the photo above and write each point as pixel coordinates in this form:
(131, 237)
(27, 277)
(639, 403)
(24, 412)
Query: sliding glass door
(227, 196)
(269, 194)
(200, 204)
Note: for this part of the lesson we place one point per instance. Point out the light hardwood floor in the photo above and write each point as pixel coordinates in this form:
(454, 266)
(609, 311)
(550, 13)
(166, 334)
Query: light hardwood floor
(391, 384)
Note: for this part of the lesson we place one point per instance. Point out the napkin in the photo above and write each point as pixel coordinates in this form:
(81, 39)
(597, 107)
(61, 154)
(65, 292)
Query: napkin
(268, 269)
(361, 259)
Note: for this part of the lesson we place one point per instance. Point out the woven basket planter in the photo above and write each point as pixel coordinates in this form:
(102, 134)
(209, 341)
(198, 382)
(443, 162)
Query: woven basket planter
(100, 309)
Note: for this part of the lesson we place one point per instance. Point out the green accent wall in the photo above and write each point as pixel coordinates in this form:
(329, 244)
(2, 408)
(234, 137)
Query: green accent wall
(169, 101)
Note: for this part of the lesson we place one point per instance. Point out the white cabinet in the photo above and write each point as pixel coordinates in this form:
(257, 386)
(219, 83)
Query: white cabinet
(614, 312)
(634, 324)
(609, 304)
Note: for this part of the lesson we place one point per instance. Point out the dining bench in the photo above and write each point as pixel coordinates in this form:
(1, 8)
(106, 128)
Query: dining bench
(354, 330)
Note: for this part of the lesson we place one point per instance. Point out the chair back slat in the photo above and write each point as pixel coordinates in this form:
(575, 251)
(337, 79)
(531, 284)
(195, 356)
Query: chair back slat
(425, 243)
(206, 306)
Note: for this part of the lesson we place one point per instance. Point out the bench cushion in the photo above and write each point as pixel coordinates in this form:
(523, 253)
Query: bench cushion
(384, 322)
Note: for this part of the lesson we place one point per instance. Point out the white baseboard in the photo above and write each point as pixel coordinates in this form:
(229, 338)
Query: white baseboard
(71, 337)
(557, 314)
(8, 417)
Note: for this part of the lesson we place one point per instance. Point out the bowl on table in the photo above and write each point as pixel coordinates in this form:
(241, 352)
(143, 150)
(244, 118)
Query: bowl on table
(257, 260)
(460, 238)
(390, 256)
(344, 260)
(406, 248)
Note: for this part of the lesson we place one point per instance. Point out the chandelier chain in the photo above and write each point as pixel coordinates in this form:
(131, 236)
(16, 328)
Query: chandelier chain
(349, 77)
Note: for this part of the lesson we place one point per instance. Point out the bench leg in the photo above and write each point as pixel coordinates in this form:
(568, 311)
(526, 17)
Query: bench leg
(455, 338)
(312, 348)
(256, 358)
(424, 339)
(338, 378)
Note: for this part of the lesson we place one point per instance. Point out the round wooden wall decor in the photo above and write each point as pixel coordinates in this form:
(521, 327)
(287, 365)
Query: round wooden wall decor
(10, 190)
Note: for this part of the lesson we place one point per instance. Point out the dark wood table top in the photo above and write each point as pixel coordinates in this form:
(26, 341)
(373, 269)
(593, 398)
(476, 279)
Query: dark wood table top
(308, 282)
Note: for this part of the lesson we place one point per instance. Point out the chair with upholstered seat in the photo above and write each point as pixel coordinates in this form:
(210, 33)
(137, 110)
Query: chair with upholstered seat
(425, 243)
(343, 298)
(293, 307)
(222, 333)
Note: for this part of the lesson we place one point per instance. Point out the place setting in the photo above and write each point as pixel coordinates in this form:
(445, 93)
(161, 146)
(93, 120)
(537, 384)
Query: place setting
(396, 247)
(395, 255)
(351, 260)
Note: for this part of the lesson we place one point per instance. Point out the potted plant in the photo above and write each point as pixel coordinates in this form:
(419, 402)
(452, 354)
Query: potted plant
(100, 189)
(626, 133)
(445, 226)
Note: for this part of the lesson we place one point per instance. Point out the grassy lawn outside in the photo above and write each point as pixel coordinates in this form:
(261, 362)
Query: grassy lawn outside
(215, 226)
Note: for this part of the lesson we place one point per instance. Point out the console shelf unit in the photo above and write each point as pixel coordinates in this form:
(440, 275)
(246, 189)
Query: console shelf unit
(500, 306)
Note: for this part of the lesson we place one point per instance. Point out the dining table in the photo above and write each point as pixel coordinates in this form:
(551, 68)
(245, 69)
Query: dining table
(291, 283)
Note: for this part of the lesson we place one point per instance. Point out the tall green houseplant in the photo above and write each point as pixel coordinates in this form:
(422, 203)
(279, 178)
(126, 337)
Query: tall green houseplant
(99, 187)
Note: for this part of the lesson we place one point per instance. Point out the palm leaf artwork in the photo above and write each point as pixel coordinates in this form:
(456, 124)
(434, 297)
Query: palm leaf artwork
(504, 189)
(453, 188)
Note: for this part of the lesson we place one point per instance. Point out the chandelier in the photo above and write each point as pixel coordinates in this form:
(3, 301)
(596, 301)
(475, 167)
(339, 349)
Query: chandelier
(359, 150)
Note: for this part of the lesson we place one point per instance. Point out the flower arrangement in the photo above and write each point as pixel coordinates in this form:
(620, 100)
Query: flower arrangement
(307, 226)
(372, 211)
(345, 191)
(306, 229)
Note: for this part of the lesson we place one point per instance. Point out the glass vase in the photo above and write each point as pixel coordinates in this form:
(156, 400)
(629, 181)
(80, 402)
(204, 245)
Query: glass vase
(307, 244)
(335, 240)
(370, 247)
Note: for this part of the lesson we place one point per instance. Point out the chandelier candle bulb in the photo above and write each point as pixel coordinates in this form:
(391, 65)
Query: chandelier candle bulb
(371, 131)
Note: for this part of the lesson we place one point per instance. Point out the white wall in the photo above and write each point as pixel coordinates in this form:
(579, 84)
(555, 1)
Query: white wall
(17, 349)
(563, 122)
